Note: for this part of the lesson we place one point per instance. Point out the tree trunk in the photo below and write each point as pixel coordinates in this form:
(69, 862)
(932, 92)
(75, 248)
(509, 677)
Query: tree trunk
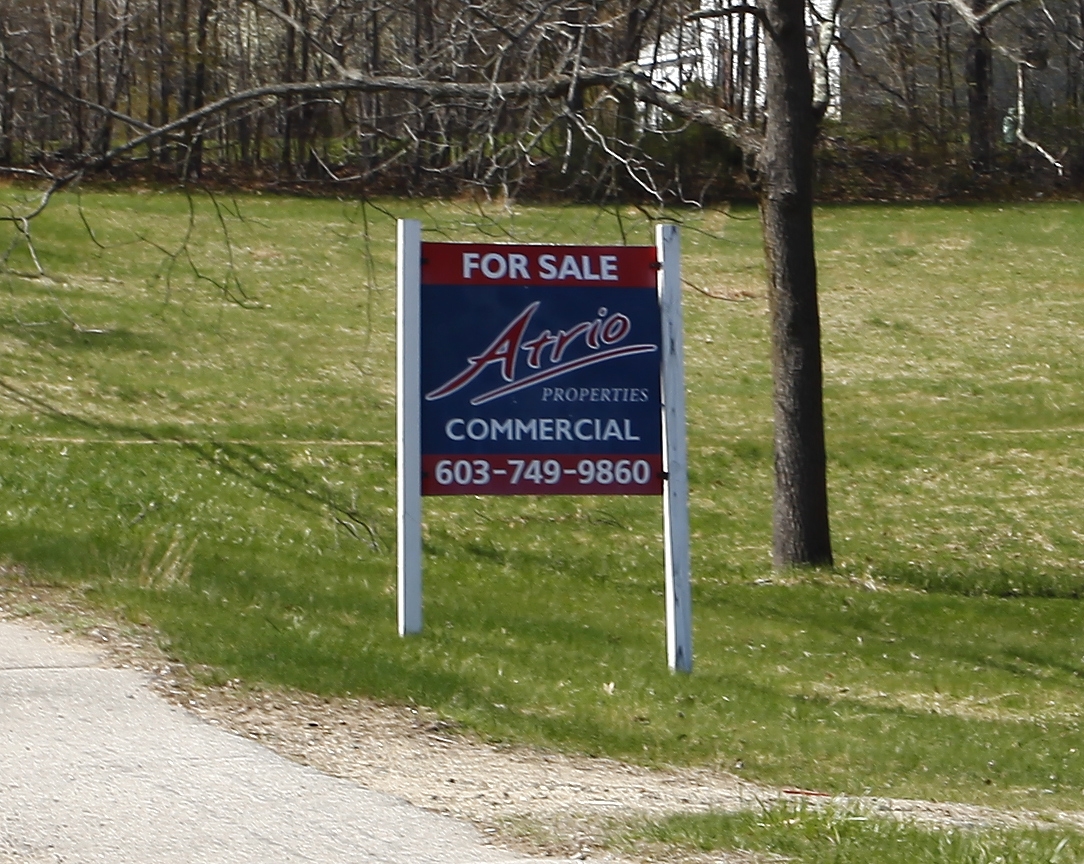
(101, 140)
(977, 69)
(628, 51)
(800, 527)
(7, 111)
(165, 83)
(79, 133)
(944, 61)
(199, 82)
(287, 102)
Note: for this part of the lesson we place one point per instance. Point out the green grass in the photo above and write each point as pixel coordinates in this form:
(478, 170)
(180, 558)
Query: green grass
(835, 835)
(225, 472)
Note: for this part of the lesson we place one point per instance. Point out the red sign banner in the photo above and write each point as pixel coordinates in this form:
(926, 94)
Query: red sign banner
(538, 265)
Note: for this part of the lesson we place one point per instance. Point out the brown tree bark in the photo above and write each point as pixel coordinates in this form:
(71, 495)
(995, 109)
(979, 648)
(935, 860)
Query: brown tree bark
(627, 50)
(165, 80)
(79, 132)
(7, 109)
(287, 103)
(977, 70)
(800, 527)
(199, 83)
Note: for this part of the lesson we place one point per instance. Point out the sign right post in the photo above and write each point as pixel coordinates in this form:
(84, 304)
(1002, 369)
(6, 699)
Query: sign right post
(675, 501)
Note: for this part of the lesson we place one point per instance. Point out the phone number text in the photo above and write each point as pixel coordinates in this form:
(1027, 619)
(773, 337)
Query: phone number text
(542, 475)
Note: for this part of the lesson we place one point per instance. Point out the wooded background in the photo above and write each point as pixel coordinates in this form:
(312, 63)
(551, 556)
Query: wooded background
(927, 94)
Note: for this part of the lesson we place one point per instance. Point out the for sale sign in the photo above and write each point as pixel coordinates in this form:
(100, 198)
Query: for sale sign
(540, 370)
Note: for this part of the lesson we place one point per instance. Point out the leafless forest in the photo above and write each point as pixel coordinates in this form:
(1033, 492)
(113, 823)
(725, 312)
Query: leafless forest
(580, 98)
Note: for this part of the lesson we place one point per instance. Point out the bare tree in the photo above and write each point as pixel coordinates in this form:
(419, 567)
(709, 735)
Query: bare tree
(801, 532)
(1024, 52)
(958, 75)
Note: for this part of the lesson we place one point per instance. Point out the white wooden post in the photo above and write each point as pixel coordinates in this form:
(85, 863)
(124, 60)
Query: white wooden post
(675, 508)
(408, 425)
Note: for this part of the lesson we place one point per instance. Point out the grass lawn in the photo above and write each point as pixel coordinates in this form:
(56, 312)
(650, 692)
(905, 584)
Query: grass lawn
(225, 471)
(852, 836)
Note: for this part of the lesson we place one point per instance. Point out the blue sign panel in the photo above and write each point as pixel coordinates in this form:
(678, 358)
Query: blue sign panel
(540, 370)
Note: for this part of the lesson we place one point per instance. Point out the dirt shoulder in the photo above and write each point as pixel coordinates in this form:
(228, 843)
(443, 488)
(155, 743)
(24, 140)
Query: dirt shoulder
(524, 797)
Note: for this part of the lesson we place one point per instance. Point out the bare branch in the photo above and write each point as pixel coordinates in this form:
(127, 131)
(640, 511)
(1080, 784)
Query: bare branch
(740, 9)
(824, 39)
(629, 77)
(976, 21)
(1021, 136)
(27, 172)
(71, 97)
(55, 185)
(305, 34)
(745, 135)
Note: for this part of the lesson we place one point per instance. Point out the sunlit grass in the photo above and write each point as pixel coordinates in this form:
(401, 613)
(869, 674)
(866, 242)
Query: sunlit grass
(225, 471)
(841, 835)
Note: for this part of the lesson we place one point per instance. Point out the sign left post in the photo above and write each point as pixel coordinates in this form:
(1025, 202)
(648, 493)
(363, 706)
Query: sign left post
(408, 426)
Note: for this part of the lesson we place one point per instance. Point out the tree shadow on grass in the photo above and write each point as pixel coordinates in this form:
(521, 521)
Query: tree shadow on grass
(249, 463)
(62, 335)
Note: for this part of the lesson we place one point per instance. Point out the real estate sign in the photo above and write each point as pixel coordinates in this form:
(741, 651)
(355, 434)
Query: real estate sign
(541, 370)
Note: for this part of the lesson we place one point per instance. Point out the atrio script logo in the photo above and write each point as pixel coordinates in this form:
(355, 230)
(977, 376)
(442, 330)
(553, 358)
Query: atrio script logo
(524, 362)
